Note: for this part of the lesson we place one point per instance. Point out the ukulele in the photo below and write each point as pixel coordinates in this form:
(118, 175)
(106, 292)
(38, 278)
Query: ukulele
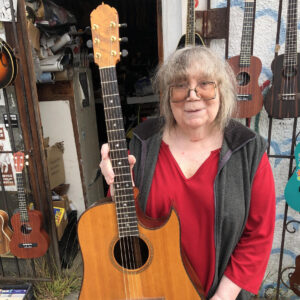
(283, 98)
(294, 278)
(190, 37)
(126, 255)
(247, 69)
(29, 239)
(292, 188)
(8, 65)
(5, 233)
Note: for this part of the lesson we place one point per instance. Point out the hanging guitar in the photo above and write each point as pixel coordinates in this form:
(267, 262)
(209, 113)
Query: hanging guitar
(5, 233)
(8, 65)
(190, 37)
(294, 278)
(292, 188)
(283, 98)
(119, 245)
(247, 69)
(29, 239)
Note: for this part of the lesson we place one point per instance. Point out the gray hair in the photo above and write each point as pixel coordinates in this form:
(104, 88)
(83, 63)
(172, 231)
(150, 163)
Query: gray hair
(210, 66)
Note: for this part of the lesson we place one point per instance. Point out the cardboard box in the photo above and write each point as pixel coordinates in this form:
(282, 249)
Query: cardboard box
(61, 201)
(61, 221)
(55, 162)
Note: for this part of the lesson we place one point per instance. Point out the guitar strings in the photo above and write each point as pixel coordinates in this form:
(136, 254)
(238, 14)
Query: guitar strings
(126, 244)
(289, 58)
(106, 100)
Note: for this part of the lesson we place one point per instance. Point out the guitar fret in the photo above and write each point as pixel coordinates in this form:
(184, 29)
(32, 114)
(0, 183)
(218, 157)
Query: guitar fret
(126, 233)
(126, 217)
(103, 82)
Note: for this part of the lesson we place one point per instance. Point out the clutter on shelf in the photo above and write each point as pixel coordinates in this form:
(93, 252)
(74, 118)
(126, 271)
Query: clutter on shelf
(57, 45)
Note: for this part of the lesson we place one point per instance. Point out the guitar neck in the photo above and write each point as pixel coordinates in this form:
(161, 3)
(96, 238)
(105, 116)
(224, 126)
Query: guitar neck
(124, 198)
(21, 198)
(246, 43)
(290, 55)
(190, 23)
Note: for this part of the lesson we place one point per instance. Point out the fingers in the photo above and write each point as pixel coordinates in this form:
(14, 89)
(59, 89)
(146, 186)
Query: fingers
(131, 160)
(105, 165)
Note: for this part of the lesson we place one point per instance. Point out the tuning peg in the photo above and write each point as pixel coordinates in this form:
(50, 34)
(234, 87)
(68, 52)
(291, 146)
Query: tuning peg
(124, 25)
(26, 163)
(27, 156)
(124, 53)
(124, 39)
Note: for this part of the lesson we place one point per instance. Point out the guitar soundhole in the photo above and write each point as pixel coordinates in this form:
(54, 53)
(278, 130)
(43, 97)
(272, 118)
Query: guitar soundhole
(289, 72)
(131, 252)
(243, 78)
(26, 229)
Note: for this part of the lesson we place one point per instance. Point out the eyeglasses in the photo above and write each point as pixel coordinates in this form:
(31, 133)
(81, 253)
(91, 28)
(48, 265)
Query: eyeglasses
(205, 90)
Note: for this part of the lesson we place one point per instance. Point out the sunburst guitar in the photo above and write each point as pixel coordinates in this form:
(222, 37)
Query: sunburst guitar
(5, 233)
(125, 255)
(8, 65)
(29, 239)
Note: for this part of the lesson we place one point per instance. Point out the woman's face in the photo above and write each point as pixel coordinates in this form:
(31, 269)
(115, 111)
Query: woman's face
(195, 112)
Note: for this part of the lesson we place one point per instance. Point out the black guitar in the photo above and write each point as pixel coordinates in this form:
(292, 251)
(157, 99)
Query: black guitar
(191, 37)
(283, 99)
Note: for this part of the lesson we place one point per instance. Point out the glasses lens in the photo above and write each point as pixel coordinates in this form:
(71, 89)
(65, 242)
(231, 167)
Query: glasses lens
(204, 90)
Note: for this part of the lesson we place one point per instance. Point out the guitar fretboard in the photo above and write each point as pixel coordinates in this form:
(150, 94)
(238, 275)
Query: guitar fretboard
(190, 23)
(290, 55)
(21, 198)
(124, 198)
(246, 43)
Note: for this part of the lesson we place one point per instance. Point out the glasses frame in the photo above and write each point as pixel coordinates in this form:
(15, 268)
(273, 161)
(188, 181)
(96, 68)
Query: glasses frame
(194, 89)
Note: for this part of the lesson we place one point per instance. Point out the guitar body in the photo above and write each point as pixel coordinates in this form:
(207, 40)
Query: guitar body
(289, 79)
(292, 188)
(250, 98)
(8, 65)
(162, 276)
(5, 234)
(198, 41)
(29, 240)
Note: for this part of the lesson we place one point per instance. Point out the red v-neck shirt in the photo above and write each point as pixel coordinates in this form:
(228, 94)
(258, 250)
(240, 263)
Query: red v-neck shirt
(193, 199)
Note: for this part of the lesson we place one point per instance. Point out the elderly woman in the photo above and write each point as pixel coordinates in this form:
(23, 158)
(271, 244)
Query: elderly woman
(213, 170)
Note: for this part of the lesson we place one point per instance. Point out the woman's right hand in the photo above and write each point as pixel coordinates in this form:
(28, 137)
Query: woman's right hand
(106, 166)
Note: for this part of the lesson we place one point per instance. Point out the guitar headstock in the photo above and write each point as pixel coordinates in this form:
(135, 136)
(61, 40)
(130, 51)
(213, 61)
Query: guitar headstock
(105, 34)
(19, 161)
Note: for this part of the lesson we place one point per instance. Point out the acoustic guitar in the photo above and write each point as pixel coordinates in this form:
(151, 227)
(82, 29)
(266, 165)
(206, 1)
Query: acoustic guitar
(29, 239)
(5, 233)
(292, 188)
(283, 98)
(8, 65)
(190, 37)
(126, 255)
(247, 69)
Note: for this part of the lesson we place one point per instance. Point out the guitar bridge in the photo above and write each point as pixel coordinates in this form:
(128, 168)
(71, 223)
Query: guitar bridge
(27, 245)
(288, 97)
(244, 97)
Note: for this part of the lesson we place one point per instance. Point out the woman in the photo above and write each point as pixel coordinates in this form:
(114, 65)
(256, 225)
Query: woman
(213, 170)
